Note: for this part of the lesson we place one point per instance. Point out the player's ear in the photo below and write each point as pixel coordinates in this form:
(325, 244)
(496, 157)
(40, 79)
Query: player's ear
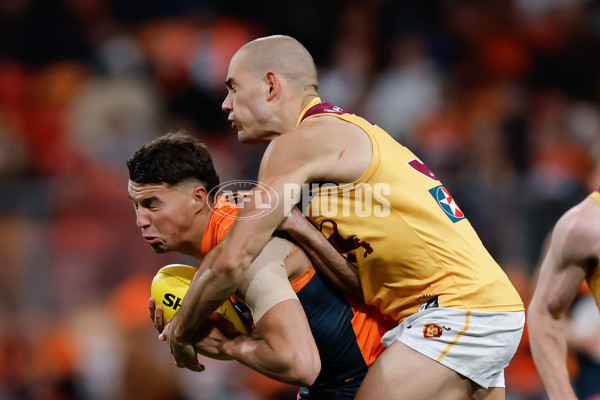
(200, 198)
(273, 85)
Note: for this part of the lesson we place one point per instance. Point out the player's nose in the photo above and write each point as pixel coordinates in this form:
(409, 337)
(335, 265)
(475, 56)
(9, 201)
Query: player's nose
(142, 220)
(227, 105)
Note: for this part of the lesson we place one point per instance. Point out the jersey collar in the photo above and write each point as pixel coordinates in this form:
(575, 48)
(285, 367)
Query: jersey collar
(312, 103)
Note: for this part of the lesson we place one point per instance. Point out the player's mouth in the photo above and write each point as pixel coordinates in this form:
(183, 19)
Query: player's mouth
(234, 124)
(156, 244)
(151, 240)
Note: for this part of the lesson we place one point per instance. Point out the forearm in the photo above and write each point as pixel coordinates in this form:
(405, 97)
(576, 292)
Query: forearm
(282, 346)
(222, 271)
(549, 350)
(213, 283)
(261, 357)
(326, 258)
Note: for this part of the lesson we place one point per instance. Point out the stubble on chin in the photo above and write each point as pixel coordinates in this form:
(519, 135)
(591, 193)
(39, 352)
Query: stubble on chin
(242, 137)
(158, 248)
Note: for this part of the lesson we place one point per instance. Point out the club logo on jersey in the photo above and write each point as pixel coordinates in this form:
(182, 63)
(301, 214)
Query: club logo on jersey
(447, 203)
(432, 330)
(346, 245)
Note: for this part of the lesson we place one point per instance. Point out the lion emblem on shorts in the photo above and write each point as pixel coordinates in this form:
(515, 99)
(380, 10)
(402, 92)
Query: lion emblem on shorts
(432, 330)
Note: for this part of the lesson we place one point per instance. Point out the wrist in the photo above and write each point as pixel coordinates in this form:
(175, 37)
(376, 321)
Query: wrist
(179, 333)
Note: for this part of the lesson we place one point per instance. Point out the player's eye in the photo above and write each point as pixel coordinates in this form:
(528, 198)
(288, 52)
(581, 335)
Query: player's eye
(149, 205)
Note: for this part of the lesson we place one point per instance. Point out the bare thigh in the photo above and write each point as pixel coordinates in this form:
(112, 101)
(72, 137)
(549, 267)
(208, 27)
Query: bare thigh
(497, 393)
(400, 373)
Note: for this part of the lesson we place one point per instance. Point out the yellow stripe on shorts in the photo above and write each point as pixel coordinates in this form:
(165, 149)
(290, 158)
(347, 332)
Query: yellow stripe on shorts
(458, 335)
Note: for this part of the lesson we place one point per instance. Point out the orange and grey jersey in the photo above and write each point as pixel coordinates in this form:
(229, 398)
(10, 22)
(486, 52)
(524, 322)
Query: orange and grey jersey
(593, 279)
(405, 232)
(347, 333)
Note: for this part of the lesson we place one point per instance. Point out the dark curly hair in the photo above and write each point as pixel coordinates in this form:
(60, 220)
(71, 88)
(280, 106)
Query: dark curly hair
(173, 158)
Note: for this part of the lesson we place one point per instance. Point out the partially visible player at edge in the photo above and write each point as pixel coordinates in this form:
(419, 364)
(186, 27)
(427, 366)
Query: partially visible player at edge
(170, 181)
(571, 258)
(460, 320)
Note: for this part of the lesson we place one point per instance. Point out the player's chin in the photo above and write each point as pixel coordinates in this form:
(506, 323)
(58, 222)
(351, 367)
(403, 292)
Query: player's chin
(245, 138)
(159, 247)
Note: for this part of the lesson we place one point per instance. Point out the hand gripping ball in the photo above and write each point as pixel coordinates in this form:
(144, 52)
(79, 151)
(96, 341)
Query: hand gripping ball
(171, 283)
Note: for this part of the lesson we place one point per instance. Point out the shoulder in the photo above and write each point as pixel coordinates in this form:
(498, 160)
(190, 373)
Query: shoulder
(576, 232)
(313, 142)
(581, 221)
(322, 130)
(323, 147)
(331, 128)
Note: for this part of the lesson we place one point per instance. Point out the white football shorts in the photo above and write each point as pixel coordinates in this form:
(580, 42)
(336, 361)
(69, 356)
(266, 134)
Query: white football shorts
(476, 344)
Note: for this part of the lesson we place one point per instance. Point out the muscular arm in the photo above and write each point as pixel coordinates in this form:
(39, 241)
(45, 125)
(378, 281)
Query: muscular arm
(563, 269)
(282, 346)
(322, 150)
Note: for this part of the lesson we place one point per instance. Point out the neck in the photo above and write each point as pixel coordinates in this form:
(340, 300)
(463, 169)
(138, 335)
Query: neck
(291, 116)
(307, 99)
(193, 247)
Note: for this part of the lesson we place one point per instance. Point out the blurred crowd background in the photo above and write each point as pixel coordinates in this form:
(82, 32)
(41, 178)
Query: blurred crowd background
(500, 98)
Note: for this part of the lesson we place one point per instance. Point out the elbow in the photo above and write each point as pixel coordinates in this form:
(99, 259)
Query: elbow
(230, 268)
(534, 314)
(303, 368)
(532, 309)
(232, 259)
(543, 309)
(309, 370)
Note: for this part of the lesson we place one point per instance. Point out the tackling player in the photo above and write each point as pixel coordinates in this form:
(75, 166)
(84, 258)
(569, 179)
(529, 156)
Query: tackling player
(420, 261)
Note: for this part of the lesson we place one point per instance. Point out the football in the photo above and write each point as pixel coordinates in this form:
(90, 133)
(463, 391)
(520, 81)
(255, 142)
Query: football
(171, 283)
(169, 286)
